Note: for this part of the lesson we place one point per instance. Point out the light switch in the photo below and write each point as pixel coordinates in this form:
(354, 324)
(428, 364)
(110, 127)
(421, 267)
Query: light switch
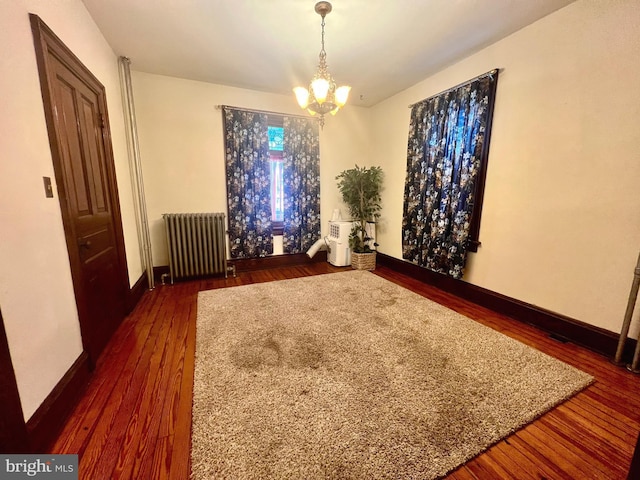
(48, 188)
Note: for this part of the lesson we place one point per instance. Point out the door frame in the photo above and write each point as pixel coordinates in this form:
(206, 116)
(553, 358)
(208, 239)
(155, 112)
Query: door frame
(47, 43)
(13, 430)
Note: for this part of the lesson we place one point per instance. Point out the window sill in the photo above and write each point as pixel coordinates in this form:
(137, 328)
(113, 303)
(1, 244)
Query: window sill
(277, 228)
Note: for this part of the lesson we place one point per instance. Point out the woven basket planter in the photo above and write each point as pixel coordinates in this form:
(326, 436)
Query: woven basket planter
(363, 261)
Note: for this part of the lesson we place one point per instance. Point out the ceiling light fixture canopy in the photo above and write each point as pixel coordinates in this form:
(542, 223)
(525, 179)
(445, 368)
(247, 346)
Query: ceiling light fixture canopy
(323, 96)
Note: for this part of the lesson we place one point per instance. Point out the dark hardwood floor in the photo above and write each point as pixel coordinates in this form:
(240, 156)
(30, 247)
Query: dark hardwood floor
(134, 421)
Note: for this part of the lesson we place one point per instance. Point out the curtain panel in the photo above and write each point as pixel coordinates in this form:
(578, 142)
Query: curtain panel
(248, 171)
(301, 155)
(446, 161)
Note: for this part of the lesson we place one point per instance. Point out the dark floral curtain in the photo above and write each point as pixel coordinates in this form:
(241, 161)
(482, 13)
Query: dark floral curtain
(301, 184)
(248, 183)
(447, 148)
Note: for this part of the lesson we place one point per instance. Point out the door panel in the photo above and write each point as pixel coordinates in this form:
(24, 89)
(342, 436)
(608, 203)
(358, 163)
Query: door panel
(70, 148)
(92, 152)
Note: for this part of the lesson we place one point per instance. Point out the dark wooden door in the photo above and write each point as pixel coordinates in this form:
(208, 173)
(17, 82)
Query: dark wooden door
(75, 107)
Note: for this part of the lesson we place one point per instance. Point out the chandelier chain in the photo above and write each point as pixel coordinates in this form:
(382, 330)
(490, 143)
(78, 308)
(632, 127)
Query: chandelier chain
(323, 53)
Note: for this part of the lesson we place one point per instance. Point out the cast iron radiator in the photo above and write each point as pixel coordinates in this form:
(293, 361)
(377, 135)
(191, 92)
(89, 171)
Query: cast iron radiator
(196, 244)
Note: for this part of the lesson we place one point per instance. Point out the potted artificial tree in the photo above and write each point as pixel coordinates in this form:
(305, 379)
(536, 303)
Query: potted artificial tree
(360, 188)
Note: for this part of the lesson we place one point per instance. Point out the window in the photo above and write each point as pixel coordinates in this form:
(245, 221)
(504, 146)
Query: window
(276, 158)
(446, 167)
(276, 136)
(281, 156)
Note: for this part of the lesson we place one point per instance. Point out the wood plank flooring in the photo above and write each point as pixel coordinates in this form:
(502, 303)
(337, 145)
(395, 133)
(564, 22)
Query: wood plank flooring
(134, 421)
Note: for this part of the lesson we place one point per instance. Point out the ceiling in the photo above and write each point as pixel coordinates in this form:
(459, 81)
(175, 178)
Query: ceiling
(378, 47)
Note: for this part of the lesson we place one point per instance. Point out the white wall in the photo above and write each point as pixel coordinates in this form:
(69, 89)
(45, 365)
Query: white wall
(36, 293)
(182, 149)
(561, 220)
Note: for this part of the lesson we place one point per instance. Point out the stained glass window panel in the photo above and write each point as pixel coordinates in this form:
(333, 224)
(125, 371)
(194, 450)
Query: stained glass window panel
(276, 137)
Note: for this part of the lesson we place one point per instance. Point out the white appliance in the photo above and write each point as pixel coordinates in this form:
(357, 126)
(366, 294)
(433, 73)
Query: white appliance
(338, 253)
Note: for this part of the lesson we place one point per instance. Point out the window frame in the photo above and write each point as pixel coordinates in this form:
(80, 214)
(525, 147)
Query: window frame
(473, 241)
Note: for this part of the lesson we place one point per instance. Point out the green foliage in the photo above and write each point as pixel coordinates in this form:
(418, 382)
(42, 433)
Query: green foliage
(360, 188)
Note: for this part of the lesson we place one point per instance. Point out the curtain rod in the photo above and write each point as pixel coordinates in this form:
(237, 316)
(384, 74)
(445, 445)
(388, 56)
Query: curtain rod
(487, 74)
(252, 110)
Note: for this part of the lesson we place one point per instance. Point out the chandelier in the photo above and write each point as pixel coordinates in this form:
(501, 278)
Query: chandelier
(323, 96)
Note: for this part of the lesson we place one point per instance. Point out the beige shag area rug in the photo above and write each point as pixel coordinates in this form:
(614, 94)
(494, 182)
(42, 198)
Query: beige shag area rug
(350, 376)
